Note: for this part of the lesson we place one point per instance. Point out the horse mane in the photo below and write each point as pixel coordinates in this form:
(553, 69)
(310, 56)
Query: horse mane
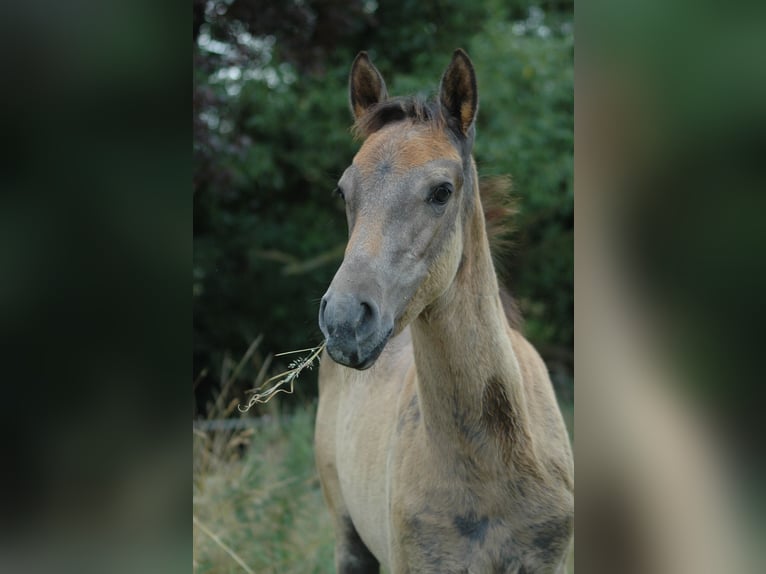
(495, 191)
(500, 208)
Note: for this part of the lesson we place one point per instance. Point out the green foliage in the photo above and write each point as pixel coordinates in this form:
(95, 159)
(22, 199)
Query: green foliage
(272, 137)
(412, 32)
(525, 128)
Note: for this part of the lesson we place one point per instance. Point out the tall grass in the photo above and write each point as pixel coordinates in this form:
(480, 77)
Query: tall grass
(257, 500)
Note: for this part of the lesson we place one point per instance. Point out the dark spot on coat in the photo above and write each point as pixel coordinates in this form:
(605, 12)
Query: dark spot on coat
(413, 409)
(497, 411)
(472, 527)
(384, 168)
(501, 421)
(410, 415)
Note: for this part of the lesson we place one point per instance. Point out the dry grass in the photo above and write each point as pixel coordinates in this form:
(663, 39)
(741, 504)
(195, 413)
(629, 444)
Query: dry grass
(257, 501)
(283, 382)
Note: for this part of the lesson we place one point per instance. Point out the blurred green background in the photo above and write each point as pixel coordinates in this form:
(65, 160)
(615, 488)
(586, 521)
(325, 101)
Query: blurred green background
(271, 137)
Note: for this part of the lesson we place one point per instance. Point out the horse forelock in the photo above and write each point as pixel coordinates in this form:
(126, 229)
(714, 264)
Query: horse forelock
(396, 109)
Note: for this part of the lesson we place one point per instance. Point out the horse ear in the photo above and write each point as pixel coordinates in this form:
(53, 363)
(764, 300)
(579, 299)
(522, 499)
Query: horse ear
(365, 85)
(457, 92)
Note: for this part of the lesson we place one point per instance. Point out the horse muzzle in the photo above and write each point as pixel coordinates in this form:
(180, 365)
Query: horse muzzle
(354, 329)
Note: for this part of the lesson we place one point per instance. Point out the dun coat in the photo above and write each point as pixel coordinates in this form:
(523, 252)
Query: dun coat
(439, 443)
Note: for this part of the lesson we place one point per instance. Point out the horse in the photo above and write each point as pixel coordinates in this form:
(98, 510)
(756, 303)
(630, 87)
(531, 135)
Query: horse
(439, 443)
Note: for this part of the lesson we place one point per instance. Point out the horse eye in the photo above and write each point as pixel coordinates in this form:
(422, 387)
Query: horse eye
(339, 192)
(440, 194)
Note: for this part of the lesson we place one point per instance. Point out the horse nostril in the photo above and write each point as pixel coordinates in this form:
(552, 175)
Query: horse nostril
(347, 316)
(367, 313)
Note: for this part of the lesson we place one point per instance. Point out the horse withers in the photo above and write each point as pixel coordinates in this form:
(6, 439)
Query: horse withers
(439, 443)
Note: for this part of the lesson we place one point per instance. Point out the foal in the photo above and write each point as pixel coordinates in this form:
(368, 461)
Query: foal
(439, 442)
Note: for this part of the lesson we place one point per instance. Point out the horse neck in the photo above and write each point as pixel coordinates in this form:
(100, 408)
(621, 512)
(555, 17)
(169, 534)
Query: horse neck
(462, 348)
